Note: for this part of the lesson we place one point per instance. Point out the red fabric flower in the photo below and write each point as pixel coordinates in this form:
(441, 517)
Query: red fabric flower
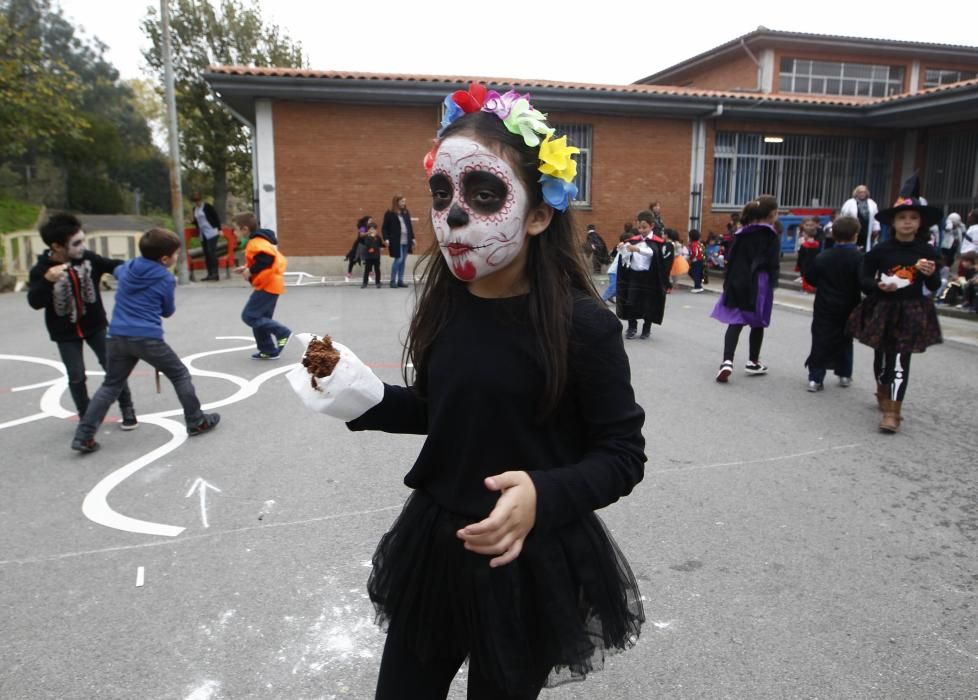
(472, 100)
(429, 159)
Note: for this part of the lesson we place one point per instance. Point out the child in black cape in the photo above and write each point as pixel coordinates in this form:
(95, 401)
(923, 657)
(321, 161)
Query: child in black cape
(835, 275)
(896, 319)
(646, 278)
(523, 392)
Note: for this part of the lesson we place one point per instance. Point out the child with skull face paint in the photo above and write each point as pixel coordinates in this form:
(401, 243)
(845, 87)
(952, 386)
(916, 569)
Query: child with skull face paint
(522, 387)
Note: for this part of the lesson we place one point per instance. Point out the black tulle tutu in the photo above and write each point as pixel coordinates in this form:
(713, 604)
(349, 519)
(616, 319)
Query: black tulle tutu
(568, 600)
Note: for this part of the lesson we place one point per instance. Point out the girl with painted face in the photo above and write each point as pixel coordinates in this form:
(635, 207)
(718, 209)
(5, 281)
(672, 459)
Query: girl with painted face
(521, 386)
(896, 319)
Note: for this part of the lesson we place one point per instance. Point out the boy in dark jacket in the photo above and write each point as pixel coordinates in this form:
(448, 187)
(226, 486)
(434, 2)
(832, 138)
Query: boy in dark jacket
(835, 275)
(145, 294)
(65, 283)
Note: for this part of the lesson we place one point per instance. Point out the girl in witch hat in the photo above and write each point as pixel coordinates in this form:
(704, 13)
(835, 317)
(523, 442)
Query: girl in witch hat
(896, 319)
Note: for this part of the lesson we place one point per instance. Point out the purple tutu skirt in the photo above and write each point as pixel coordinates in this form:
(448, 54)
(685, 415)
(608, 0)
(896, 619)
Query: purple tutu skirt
(759, 317)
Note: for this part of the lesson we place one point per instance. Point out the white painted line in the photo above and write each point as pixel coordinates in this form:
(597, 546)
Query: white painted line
(28, 387)
(762, 460)
(21, 421)
(202, 486)
(96, 508)
(201, 536)
(139, 577)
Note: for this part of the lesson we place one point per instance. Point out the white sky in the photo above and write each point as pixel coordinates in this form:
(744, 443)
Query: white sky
(599, 41)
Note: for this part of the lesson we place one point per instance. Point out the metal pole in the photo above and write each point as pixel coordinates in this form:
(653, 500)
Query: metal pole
(176, 195)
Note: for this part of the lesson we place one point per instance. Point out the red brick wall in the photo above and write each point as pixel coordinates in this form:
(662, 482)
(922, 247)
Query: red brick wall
(335, 163)
(739, 73)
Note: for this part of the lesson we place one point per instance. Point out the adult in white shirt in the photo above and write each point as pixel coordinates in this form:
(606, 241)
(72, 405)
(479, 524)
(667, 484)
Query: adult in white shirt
(951, 240)
(208, 225)
(862, 207)
(969, 239)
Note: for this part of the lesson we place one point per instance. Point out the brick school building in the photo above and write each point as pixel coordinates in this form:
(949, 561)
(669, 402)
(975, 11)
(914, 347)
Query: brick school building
(804, 117)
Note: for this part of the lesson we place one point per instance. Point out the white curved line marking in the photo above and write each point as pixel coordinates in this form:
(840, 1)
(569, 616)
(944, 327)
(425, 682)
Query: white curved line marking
(96, 507)
(21, 421)
(28, 387)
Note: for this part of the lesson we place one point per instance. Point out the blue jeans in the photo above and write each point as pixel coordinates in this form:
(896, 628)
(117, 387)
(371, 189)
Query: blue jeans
(257, 313)
(612, 287)
(817, 374)
(123, 352)
(397, 268)
(696, 272)
(73, 356)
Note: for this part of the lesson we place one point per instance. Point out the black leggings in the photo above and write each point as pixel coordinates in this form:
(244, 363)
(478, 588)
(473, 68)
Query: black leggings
(403, 675)
(731, 337)
(368, 266)
(892, 370)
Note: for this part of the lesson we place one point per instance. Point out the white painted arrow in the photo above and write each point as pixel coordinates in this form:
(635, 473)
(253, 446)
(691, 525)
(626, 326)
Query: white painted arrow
(201, 487)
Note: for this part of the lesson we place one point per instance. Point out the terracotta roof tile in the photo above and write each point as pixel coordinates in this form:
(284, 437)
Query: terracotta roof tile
(528, 83)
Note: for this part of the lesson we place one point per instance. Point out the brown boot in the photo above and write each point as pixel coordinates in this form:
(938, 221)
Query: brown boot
(890, 422)
(882, 394)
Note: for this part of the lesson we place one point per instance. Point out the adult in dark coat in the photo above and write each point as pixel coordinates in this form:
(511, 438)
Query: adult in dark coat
(835, 275)
(208, 225)
(399, 235)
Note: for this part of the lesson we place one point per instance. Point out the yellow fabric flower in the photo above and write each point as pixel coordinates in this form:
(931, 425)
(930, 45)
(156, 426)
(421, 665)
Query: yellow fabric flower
(556, 161)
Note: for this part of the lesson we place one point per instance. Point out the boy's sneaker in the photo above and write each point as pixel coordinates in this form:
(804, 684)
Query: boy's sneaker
(696, 290)
(845, 381)
(755, 368)
(264, 356)
(814, 386)
(726, 369)
(282, 342)
(84, 446)
(206, 423)
(129, 421)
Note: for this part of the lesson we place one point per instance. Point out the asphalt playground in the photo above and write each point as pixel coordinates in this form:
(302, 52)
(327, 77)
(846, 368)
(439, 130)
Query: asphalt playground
(784, 547)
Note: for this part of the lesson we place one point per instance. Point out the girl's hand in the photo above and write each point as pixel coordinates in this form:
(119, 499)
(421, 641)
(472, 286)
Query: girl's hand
(507, 526)
(887, 286)
(926, 267)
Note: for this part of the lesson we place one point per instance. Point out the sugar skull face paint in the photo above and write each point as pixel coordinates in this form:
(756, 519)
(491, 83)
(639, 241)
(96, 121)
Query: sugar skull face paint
(478, 208)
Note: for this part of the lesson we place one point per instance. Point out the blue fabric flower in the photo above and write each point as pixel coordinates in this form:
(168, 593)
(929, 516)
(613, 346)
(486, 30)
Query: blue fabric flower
(557, 193)
(452, 112)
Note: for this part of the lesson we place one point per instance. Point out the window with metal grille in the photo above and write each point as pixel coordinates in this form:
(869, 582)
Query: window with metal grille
(951, 180)
(939, 76)
(800, 171)
(579, 135)
(837, 78)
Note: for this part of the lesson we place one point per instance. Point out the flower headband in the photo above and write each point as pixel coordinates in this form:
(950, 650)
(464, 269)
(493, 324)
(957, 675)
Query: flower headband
(557, 168)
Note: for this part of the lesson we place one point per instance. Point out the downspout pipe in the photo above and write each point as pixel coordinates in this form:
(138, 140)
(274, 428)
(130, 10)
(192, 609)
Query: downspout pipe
(743, 45)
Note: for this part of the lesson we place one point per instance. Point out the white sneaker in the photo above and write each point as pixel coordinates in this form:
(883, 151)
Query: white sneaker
(815, 386)
(845, 381)
(696, 291)
(726, 369)
(755, 368)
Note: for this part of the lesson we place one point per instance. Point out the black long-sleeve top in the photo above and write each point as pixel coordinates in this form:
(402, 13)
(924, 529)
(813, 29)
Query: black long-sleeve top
(891, 257)
(477, 402)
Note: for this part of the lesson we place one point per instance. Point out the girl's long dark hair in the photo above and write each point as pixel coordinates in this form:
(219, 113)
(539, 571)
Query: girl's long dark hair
(758, 210)
(555, 268)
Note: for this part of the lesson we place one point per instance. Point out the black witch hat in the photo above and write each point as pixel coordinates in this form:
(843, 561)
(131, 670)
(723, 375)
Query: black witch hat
(909, 200)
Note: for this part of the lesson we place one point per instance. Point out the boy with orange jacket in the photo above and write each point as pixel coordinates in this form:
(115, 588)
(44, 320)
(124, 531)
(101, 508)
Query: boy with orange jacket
(265, 268)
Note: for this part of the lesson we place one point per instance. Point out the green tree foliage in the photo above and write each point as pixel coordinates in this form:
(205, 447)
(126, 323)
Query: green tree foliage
(213, 142)
(37, 91)
(109, 149)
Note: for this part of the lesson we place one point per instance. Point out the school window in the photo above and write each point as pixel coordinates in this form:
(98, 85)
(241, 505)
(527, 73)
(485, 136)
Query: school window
(800, 171)
(938, 76)
(951, 173)
(839, 78)
(579, 135)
